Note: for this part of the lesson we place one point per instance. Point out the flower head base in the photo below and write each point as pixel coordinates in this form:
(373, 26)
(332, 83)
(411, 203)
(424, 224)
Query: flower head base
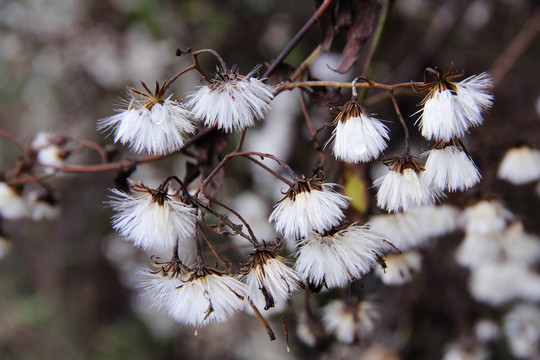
(231, 101)
(350, 321)
(153, 219)
(404, 188)
(451, 108)
(152, 122)
(309, 206)
(338, 258)
(357, 136)
(269, 280)
(520, 165)
(195, 297)
(449, 167)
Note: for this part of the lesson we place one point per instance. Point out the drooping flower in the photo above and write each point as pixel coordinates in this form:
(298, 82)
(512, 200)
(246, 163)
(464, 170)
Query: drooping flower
(339, 257)
(151, 122)
(451, 108)
(400, 268)
(196, 297)
(357, 136)
(485, 217)
(520, 165)
(350, 321)
(403, 187)
(231, 101)
(310, 205)
(12, 204)
(269, 280)
(154, 219)
(449, 167)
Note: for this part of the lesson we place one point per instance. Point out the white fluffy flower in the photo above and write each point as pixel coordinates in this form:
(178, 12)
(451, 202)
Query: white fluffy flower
(335, 260)
(449, 167)
(309, 206)
(153, 219)
(350, 321)
(43, 206)
(403, 187)
(12, 204)
(400, 268)
(151, 122)
(485, 217)
(48, 151)
(520, 165)
(358, 137)
(479, 249)
(197, 298)
(522, 328)
(269, 280)
(231, 101)
(450, 108)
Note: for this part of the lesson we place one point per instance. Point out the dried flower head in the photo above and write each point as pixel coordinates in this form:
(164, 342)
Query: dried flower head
(400, 268)
(151, 122)
(269, 280)
(231, 101)
(12, 204)
(350, 321)
(485, 217)
(339, 257)
(48, 151)
(154, 219)
(520, 165)
(449, 167)
(403, 187)
(357, 136)
(310, 205)
(451, 108)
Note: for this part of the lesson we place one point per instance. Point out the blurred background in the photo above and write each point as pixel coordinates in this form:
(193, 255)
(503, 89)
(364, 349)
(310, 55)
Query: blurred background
(67, 287)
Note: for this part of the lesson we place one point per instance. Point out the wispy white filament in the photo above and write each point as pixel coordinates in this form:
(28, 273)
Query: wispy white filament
(309, 211)
(335, 260)
(404, 191)
(150, 225)
(231, 103)
(450, 169)
(161, 130)
(449, 114)
(359, 139)
(520, 165)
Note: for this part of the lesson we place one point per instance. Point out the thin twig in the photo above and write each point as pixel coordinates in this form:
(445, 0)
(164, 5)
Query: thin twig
(402, 120)
(253, 239)
(292, 44)
(213, 248)
(316, 145)
(371, 84)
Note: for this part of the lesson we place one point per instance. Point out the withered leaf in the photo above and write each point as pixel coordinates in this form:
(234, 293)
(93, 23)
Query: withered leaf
(363, 18)
(281, 73)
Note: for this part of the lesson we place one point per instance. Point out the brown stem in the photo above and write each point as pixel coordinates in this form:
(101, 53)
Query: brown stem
(402, 120)
(292, 44)
(370, 84)
(13, 139)
(252, 238)
(516, 47)
(306, 63)
(213, 248)
(263, 321)
(316, 145)
(275, 174)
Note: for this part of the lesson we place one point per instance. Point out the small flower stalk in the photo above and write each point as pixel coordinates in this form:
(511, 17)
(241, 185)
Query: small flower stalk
(309, 206)
(357, 136)
(152, 122)
(153, 219)
(451, 108)
(449, 167)
(339, 257)
(231, 101)
(404, 187)
(269, 280)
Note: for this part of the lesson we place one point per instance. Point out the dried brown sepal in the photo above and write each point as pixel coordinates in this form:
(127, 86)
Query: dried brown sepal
(400, 163)
(148, 98)
(350, 110)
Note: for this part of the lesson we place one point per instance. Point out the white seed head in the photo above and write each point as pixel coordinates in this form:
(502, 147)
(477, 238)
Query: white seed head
(153, 221)
(449, 111)
(311, 207)
(350, 321)
(150, 123)
(211, 298)
(522, 329)
(450, 169)
(12, 204)
(335, 260)
(520, 165)
(404, 191)
(269, 280)
(231, 101)
(400, 268)
(358, 137)
(485, 216)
